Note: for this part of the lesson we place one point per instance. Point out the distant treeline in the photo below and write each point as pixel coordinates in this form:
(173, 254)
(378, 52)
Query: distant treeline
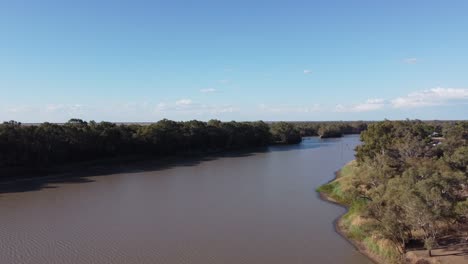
(326, 129)
(49, 144)
(330, 128)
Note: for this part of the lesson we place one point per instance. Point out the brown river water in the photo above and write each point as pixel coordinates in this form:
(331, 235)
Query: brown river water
(249, 208)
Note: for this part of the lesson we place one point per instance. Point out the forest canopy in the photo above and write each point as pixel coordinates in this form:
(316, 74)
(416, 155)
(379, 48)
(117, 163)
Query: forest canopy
(49, 144)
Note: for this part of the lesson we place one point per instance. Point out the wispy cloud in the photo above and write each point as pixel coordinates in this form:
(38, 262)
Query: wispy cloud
(289, 108)
(183, 102)
(184, 108)
(208, 90)
(52, 109)
(18, 109)
(188, 107)
(411, 60)
(40, 113)
(224, 81)
(307, 71)
(431, 97)
(425, 98)
(161, 107)
(69, 108)
(369, 105)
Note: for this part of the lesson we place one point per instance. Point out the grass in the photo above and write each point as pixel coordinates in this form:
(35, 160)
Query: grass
(340, 188)
(332, 190)
(383, 249)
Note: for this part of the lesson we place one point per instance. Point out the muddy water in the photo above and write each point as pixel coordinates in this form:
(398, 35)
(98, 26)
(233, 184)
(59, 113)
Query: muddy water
(252, 208)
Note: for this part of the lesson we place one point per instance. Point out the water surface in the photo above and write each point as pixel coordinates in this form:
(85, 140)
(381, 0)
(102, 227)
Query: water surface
(244, 209)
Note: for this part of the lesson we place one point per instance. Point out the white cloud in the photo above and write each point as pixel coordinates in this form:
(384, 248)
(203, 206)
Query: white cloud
(183, 102)
(216, 109)
(223, 81)
(18, 109)
(41, 113)
(290, 108)
(431, 97)
(161, 107)
(369, 105)
(307, 71)
(68, 108)
(190, 108)
(411, 60)
(208, 90)
(185, 108)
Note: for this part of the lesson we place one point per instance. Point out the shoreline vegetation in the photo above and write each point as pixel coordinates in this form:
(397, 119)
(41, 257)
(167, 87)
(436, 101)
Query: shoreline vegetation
(406, 194)
(348, 225)
(27, 149)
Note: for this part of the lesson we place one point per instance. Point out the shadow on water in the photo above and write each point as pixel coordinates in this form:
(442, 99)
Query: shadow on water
(307, 143)
(82, 172)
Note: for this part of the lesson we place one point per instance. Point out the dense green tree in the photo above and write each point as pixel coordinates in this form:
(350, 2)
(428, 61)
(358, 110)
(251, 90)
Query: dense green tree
(285, 133)
(331, 131)
(414, 184)
(49, 144)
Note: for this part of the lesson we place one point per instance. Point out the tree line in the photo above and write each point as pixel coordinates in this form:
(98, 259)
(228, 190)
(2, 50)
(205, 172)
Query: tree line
(77, 140)
(49, 144)
(329, 129)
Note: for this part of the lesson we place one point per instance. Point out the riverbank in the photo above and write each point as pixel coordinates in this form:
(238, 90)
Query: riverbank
(339, 228)
(343, 232)
(357, 229)
(347, 225)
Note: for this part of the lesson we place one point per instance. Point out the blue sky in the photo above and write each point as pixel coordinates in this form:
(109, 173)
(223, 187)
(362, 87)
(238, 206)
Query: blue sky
(233, 60)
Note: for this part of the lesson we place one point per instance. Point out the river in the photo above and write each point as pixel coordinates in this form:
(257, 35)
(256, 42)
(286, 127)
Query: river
(253, 208)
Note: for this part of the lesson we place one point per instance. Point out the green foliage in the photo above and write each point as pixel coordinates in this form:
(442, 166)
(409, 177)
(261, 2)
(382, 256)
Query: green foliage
(461, 209)
(412, 183)
(330, 131)
(77, 140)
(330, 128)
(390, 254)
(285, 133)
(343, 189)
(458, 158)
(332, 190)
(356, 232)
(49, 144)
